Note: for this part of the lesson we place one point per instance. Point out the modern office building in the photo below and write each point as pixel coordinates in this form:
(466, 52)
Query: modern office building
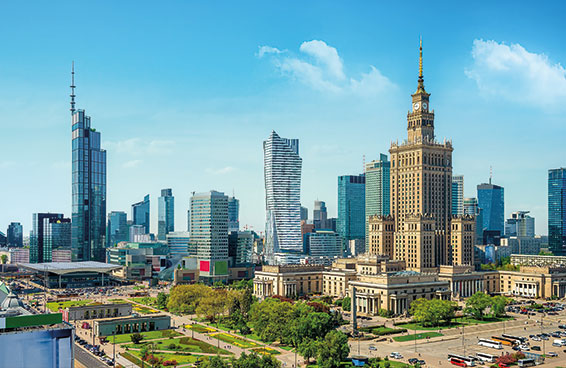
(209, 234)
(458, 195)
(418, 230)
(233, 214)
(240, 248)
(520, 224)
(88, 226)
(15, 235)
(471, 208)
(351, 207)
(319, 214)
(178, 242)
(323, 246)
(3, 239)
(491, 200)
(282, 172)
(135, 232)
(377, 191)
(165, 214)
(41, 235)
(557, 211)
(117, 229)
(140, 213)
(57, 235)
(304, 213)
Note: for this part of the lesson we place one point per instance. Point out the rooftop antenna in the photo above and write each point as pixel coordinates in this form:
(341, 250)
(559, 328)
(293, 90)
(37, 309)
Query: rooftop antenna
(490, 173)
(73, 88)
(364, 163)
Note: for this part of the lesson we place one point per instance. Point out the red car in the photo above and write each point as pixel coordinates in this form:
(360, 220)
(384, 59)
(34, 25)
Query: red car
(503, 365)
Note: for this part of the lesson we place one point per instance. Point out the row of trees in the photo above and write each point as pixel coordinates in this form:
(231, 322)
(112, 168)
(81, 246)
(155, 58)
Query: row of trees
(433, 312)
(244, 361)
(481, 305)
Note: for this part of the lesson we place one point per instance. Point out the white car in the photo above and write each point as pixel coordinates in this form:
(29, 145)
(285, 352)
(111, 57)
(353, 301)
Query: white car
(524, 347)
(551, 354)
(395, 355)
(536, 338)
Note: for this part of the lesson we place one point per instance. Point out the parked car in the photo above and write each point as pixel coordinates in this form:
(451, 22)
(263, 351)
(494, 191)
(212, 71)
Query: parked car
(551, 354)
(535, 347)
(395, 355)
(413, 361)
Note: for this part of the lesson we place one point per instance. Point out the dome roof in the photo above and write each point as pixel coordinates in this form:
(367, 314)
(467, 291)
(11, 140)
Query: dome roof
(11, 301)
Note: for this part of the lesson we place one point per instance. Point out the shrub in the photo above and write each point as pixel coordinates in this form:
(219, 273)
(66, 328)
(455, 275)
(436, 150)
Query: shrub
(172, 346)
(136, 337)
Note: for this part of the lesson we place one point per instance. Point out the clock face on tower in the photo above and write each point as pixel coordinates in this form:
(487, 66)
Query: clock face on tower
(424, 105)
(416, 106)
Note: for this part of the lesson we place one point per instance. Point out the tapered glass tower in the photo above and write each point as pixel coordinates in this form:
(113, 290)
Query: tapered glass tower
(88, 227)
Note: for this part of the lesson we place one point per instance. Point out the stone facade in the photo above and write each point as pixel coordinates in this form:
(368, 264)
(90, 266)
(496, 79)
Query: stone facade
(288, 281)
(107, 327)
(97, 311)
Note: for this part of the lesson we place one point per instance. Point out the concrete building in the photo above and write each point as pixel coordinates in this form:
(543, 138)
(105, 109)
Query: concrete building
(463, 235)
(324, 246)
(121, 325)
(139, 261)
(97, 311)
(471, 208)
(523, 244)
(288, 281)
(520, 224)
(178, 243)
(457, 195)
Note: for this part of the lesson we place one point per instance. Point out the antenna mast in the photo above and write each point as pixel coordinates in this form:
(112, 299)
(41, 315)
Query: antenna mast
(72, 95)
(490, 173)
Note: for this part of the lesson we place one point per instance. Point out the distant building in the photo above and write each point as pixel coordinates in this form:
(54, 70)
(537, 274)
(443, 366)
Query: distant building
(57, 235)
(233, 214)
(323, 246)
(178, 242)
(351, 207)
(61, 255)
(520, 224)
(377, 189)
(471, 208)
(209, 234)
(117, 229)
(491, 200)
(458, 195)
(136, 231)
(140, 213)
(165, 214)
(523, 244)
(240, 248)
(41, 235)
(3, 239)
(304, 213)
(19, 255)
(319, 214)
(139, 260)
(282, 172)
(557, 211)
(15, 235)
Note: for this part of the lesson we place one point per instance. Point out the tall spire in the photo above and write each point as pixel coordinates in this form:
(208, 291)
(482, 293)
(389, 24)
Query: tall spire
(420, 87)
(72, 95)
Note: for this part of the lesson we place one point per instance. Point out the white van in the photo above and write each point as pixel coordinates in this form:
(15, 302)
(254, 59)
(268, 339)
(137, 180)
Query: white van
(559, 342)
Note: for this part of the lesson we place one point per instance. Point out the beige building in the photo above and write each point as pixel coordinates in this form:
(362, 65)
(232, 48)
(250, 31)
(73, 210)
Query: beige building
(288, 281)
(419, 228)
(534, 282)
(464, 281)
(463, 239)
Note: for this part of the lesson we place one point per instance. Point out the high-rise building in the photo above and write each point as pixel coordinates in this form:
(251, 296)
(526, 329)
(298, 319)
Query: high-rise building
(233, 214)
(458, 195)
(135, 232)
(557, 211)
(319, 214)
(209, 234)
(491, 201)
(178, 242)
(240, 248)
(377, 190)
(88, 226)
(57, 238)
(323, 246)
(3, 239)
(165, 214)
(118, 229)
(418, 228)
(15, 235)
(140, 213)
(304, 213)
(282, 171)
(520, 224)
(471, 208)
(351, 207)
(40, 245)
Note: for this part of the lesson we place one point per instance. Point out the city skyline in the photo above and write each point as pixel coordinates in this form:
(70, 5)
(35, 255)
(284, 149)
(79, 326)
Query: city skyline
(470, 111)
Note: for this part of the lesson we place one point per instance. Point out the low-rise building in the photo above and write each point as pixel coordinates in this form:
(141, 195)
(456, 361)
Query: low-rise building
(464, 281)
(288, 281)
(97, 311)
(121, 325)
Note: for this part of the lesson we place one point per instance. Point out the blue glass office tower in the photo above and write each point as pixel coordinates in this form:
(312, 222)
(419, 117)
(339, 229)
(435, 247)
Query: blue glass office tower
(351, 206)
(491, 201)
(118, 229)
(140, 213)
(557, 211)
(49, 231)
(165, 214)
(233, 214)
(15, 235)
(88, 229)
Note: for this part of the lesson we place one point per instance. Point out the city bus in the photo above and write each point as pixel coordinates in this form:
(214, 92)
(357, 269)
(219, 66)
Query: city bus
(490, 344)
(504, 340)
(486, 357)
(519, 339)
(526, 362)
(469, 361)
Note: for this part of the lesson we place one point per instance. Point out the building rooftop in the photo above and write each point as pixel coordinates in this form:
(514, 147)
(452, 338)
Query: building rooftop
(62, 268)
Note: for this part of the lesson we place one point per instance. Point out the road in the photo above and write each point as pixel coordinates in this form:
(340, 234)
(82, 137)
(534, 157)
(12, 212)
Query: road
(87, 360)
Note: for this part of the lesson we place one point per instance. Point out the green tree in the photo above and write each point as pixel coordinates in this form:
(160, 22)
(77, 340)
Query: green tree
(347, 304)
(161, 300)
(247, 301)
(476, 304)
(136, 337)
(271, 319)
(214, 362)
(254, 360)
(185, 298)
(214, 304)
(498, 304)
(4, 259)
(308, 348)
(332, 350)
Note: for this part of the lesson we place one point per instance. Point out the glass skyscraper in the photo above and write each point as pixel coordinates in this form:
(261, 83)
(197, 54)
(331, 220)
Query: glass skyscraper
(15, 235)
(41, 242)
(233, 214)
(165, 214)
(377, 189)
(351, 206)
(458, 195)
(557, 211)
(471, 208)
(140, 213)
(282, 173)
(492, 202)
(88, 227)
(118, 229)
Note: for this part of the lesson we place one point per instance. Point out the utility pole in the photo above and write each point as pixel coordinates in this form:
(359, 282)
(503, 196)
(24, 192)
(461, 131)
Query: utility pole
(415, 336)
(543, 341)
(463, 342)
(114, 347)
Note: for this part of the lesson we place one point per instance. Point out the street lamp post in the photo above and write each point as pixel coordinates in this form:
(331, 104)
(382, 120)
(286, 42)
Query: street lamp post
(114, 347)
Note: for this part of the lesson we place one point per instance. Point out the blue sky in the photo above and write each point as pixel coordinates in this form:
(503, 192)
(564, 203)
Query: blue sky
(185, 92)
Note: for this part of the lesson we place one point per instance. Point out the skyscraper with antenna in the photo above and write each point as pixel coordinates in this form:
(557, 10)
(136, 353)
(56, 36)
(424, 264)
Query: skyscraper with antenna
(88, 226)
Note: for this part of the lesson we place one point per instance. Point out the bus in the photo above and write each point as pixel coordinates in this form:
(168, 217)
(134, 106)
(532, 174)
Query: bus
(486, 357)
(526, 362)
(519, 339)
(458, 362)
(490, 344)
(469, 361)
(504, 340)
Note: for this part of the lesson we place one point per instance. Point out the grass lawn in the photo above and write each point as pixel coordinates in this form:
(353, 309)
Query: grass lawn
(185, 344)
(200, 329)
(412, 337)
(252, 336)
(239, 342)
(150, 335)
(119, 301)
(458, 322)
(143, 310)
(180, 358)
(54, 306)
(266, 351)
(147, 300)
(286, 347)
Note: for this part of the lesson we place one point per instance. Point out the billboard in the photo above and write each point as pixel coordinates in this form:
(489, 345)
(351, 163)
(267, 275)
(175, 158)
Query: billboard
(37, 348)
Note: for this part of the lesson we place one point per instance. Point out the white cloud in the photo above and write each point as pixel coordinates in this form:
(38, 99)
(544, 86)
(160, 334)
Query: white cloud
(221, 171)
(516, 74)
(267, 50)
(320, 67)
(132, 163)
